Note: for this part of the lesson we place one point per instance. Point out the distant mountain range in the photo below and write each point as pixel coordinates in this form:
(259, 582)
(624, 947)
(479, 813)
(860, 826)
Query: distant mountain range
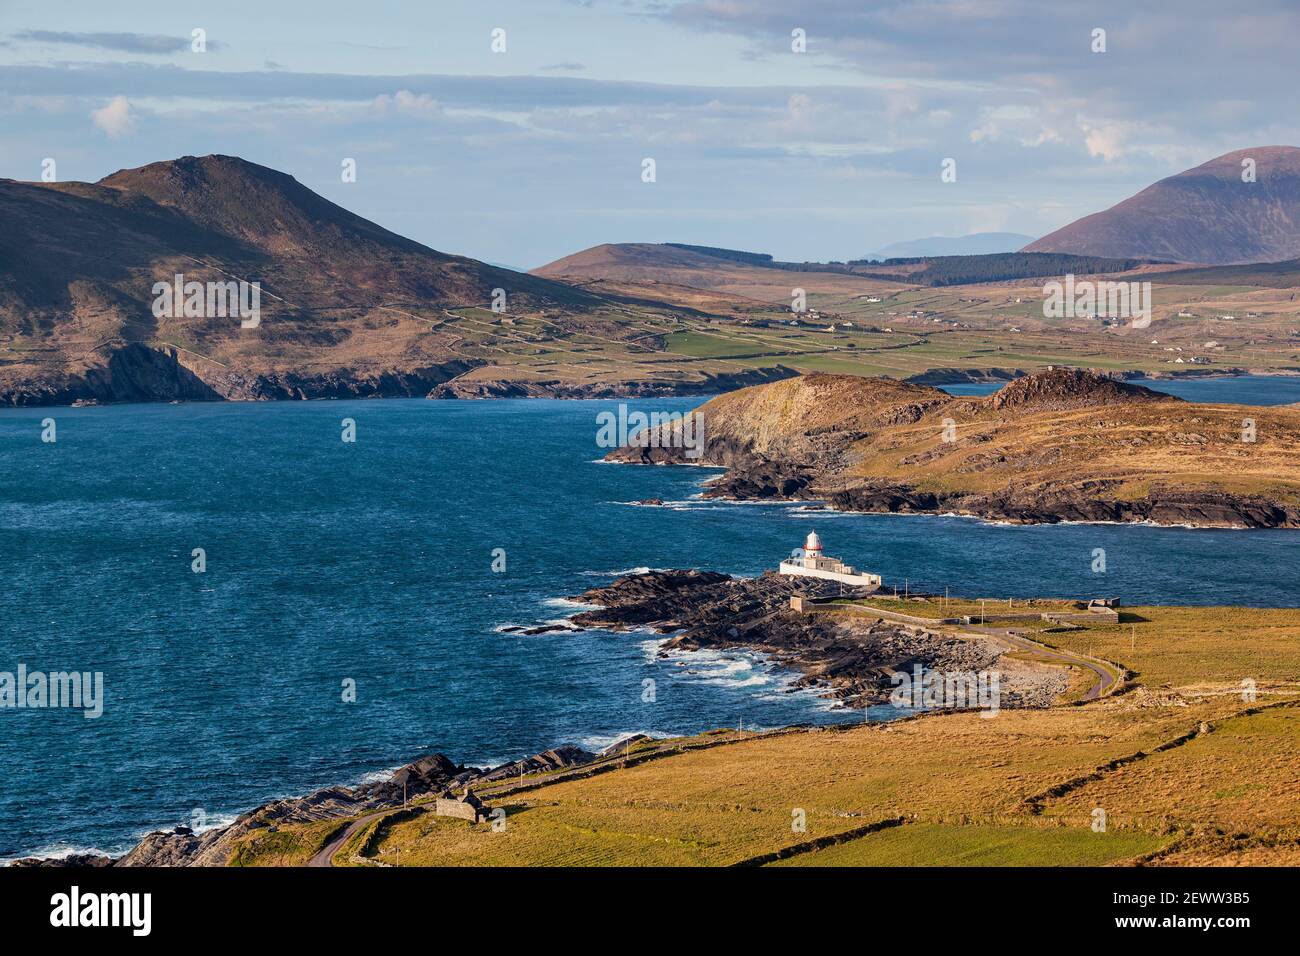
(975, 244)
(708, 267)
(1209, 214)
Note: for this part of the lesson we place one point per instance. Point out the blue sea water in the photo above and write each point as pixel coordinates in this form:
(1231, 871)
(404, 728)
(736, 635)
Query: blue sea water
(372, 562)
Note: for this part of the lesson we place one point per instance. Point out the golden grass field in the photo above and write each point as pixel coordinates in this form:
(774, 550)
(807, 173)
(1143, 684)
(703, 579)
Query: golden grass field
(960, 789)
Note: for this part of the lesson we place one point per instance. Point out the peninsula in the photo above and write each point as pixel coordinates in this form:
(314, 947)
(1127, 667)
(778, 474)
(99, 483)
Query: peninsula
(1062, 444)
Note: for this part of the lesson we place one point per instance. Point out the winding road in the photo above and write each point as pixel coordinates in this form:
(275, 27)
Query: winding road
(1105, 677)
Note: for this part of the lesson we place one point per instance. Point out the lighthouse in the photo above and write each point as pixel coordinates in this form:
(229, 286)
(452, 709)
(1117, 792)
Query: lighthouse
(812, 549)
(810, 562)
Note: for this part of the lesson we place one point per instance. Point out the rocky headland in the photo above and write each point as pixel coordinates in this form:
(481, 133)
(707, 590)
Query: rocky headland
(1058, 445)
(848, 658)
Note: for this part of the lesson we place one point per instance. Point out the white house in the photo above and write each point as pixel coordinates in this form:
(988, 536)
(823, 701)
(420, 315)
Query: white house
(809, 562)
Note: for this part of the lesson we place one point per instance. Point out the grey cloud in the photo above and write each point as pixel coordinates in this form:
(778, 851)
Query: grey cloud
(501, 93)
(148, 43)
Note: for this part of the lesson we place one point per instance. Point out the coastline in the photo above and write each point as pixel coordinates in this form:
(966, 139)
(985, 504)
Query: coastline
(418, 384)
(849, 685)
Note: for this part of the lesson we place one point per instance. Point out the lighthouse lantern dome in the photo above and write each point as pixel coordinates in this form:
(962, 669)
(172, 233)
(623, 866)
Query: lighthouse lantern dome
(813, 543)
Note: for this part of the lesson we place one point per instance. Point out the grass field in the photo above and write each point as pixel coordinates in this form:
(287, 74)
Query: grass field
(288, 846)
(930, 844)
(1185, 766)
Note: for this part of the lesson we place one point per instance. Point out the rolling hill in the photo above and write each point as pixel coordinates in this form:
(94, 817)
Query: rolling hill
(1203, 215)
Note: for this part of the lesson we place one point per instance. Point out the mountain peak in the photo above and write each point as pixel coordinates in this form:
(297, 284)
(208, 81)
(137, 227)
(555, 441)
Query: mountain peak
(1213, 213)
(257, 205)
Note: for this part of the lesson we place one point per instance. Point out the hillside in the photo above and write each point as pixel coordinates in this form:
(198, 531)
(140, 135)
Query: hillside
(1203, 215)
(1062, 444)
(707, 267)
(347, 307)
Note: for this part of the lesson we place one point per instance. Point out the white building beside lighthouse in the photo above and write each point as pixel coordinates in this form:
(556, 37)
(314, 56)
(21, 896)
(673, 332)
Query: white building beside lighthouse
(809, 562)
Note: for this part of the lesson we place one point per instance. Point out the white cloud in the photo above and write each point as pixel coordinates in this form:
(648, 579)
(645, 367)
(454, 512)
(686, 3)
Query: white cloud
(1106, 142)
(116, 118)
(404, 101)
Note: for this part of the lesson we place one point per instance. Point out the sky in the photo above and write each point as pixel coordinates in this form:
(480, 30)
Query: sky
(536, 149)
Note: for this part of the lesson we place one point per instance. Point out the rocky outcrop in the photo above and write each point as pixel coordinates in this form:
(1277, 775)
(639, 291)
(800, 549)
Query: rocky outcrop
(953, 376)
(846, 658)
(1059, 389)
(73, 861)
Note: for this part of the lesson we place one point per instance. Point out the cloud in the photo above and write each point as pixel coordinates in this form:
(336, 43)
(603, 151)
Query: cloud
(148, 43)
(116, 118)
(404, 101)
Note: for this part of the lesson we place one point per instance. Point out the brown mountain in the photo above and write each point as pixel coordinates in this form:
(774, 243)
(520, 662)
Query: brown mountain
(1207, 214)
(348, 308)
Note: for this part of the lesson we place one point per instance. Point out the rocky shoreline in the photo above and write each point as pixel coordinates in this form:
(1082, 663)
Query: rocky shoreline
(768, 481)
(433, 774)
(136, 373)
(850, 661)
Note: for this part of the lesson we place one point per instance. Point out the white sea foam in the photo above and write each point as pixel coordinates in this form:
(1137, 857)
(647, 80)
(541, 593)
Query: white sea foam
(599, 742)
(61, 851)
(623, 573)
(651, 648)
(377, 776)
(569, 603)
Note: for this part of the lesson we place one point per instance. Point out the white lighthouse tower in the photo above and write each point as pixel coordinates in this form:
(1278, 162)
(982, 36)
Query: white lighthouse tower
(812, 550)
(809, 562)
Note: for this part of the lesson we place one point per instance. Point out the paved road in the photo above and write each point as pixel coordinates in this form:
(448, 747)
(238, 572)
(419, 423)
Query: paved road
(1105, 678)
(325, 855)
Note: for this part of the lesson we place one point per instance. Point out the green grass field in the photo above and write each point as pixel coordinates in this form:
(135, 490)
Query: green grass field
(929, 844)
